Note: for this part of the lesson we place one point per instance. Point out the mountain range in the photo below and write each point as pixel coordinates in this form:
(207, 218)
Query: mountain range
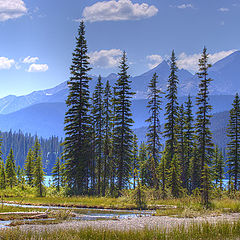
(42, 112)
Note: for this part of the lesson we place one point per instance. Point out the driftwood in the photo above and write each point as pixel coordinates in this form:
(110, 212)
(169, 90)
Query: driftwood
(21, 213)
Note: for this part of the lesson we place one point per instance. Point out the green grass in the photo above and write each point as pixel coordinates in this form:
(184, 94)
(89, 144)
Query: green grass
(202, 231)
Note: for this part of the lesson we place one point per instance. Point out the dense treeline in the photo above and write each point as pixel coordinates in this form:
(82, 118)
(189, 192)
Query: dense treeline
(102, 155)
(21, 143)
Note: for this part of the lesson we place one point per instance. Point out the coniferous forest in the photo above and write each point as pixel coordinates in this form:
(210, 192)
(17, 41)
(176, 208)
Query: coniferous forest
(101, 155)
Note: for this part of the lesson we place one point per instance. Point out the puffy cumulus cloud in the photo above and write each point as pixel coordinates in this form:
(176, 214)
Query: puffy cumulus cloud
(118, 10)
(184, 6)
(38, 67)
(29, 60)
(105, 58)
(10, 9)
(190, 62)
(155, 60)
(6, 63)
(223, 9)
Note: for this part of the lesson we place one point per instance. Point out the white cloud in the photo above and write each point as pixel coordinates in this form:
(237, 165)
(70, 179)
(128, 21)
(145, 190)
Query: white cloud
(6, 63)
(114, 10)
(155, 60)
(105, 58)
(38, 67)
(184, 6)
(10, 9)
(30, 60)
(223, 9)
(190, 62)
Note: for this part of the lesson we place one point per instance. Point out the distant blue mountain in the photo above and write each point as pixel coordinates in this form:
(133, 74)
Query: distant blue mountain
(226, 75)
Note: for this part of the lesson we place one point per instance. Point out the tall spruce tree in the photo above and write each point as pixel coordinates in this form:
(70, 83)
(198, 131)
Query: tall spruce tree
(189, 142)
(154, 131)
(29, 167)
(174, 177)
(123, 134)
(39, 176)
(98, 126)
(203, 133)
(2, 175)
(233, 152)
(218, 167)
(182, 146)
(57, 174)
(107, 132)
(11, 170)
(170, 132)
(135, 160)
(77, 120)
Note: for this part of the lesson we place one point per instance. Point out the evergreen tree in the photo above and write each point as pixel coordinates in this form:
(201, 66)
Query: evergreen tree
(233, 153)
(2, 169)
(123, 122)
(218, 167)
(98, 124)
(170, 132)
(107, 132)
(174, 179)
(135, 160)
(39, 176)
(163, 173)
(29, 167)
(2, 175)
(182, 146)
(57, 174)
(11, 170)
(203, 133)
(195, 169)
(189, 142)
(144, 165)
(153, 134)
(77, 121)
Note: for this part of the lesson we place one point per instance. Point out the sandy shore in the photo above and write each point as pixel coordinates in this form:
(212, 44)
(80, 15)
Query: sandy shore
(136, 223)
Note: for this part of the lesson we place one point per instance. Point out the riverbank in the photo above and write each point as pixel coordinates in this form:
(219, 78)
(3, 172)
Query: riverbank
(226, 226)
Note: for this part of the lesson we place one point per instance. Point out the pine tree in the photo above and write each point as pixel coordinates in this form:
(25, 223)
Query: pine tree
(144, 165)
(98, 124)
(107, 132)
(57, 174)
(182, 146)
(189, 142)
(2, 168)
(195, 169)
(218, 167)
(174, 177)
(135, 160)
(29, 167)
(233, 153)
(123, 122)
(153, 134)
(2, 175)
(39, 176)
(170, 132)
(203, 133)
(77, 120)
(11, 170)
(163, 173)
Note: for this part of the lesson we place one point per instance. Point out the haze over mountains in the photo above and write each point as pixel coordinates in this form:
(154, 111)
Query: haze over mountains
(42, 112)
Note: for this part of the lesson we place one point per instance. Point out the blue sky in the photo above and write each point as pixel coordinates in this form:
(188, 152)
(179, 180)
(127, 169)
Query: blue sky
(37, 37)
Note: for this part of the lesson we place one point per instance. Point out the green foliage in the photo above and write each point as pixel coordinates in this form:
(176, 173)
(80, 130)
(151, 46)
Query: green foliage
(11, 170)
(203, 133)
(233, 152)
(174, 177)
(123, 135)
(153, 135)
(2, 175)
(29, 167)
(135, 160)
(77, 147)
(170, 127)
(57, 174)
